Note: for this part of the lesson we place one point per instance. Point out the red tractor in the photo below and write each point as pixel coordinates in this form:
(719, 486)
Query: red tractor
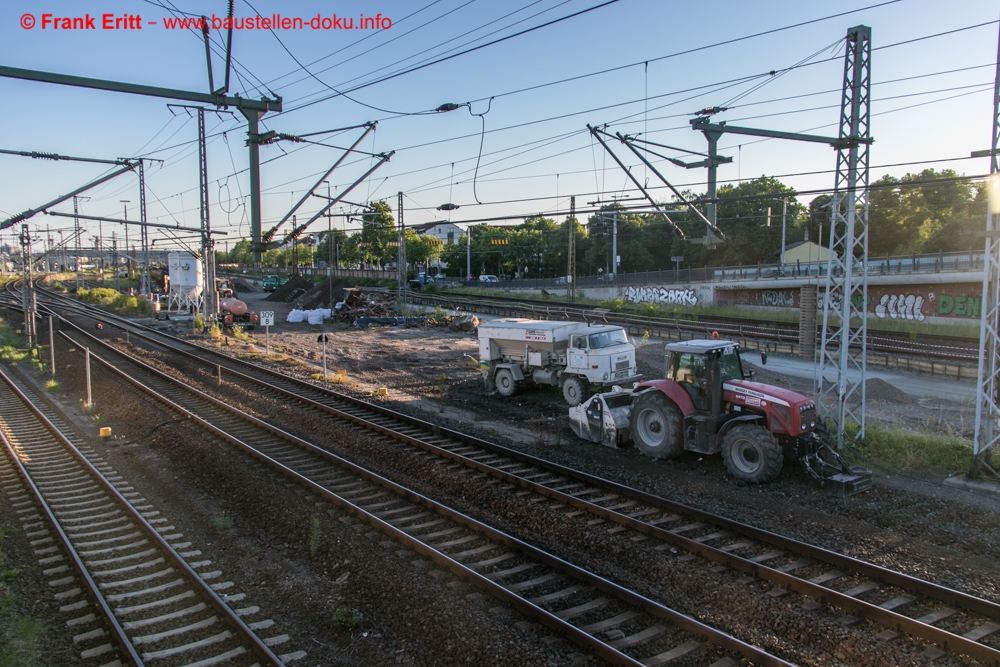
(708, 405)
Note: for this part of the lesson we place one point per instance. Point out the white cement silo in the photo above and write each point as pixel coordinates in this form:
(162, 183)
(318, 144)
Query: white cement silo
(187, 285)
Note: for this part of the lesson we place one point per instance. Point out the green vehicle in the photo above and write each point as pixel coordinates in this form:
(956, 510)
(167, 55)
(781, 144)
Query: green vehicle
(270, 283)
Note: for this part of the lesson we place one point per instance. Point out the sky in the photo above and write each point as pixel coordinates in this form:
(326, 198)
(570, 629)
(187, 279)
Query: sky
(518, 146)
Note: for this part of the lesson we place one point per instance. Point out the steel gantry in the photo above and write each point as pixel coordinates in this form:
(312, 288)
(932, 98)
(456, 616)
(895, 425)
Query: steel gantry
(987, 431)
(252, 110)
(841, 374)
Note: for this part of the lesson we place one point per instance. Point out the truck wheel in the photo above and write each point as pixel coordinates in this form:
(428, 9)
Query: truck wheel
(505, 382)
(752, 453)
(575, 390)
(657, 426)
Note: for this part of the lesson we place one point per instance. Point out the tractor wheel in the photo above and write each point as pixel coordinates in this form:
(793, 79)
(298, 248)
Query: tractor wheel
(752, 453)
(505, 382)
(657, 426)
(575, 391)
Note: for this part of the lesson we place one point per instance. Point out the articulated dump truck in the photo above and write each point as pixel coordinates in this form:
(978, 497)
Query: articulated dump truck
(578, 357)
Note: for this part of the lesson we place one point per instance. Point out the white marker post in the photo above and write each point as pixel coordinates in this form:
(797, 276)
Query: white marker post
(322, 339)
(267, 319)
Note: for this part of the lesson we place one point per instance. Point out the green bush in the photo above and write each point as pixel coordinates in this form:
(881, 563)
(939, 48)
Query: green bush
(614, 305)
(347, 619)
(115, 301)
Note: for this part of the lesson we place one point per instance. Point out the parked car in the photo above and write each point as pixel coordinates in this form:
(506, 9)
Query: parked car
(487, 278)
(439, 276)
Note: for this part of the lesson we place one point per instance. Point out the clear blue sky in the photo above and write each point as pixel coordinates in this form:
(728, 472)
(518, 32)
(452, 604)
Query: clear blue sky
(536, 150)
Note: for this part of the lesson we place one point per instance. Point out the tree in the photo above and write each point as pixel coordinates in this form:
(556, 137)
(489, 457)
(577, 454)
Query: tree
(752, 236)
(378, 230)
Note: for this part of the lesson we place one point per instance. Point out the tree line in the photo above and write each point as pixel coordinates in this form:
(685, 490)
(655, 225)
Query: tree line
(926, 212)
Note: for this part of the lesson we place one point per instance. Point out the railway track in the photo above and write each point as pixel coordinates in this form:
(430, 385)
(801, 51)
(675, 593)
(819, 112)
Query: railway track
(129, 584)
(615, 623)
(953, 348)
(949, 619)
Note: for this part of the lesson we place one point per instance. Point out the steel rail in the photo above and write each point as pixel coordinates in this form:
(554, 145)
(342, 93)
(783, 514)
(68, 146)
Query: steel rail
(578, 635)
(262, 651)
(783, 579)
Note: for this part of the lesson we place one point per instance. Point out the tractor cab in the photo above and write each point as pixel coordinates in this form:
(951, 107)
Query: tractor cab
(691, 364)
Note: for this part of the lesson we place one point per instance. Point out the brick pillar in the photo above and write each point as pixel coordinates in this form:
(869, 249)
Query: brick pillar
(807, 321)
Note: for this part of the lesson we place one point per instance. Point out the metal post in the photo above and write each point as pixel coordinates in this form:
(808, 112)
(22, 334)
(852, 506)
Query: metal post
(210, 303)
(125, 203)
(52, 349)
(79, 243)
(784, 222)
(86, 365)
(988, 375)
(144, 234)
(330, 241)
(267, 339)
(571, 250)
(614, 245)
(468, 253)
(114, 260)
(253, 117)
(841, 376)
(323, 336)
(27, 296)
(400, 259)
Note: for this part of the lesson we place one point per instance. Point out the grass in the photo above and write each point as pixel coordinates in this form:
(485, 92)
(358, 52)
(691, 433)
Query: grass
(347, 619)
(223, 523)
(51, 384)
(117, 302)
(314, 536)
(19, 633)
(899, 450)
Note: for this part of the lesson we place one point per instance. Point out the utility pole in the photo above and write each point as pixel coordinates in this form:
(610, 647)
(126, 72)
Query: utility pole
(988, 390)
(784, 228)
(114, 261)
(79, 243)
(401, 251)
(209, 304)
(144, 234)
(128, 264)
(571, 251)
(468, 253)
(28, 290)
(330, 241)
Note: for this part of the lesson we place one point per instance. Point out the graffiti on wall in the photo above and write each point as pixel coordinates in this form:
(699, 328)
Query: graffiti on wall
(900, 307)
(672, 297)
(771, 298)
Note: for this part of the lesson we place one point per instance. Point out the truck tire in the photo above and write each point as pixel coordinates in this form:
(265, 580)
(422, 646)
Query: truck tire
(657, 426)
(575, 391)
(752, 453)
(505, 382)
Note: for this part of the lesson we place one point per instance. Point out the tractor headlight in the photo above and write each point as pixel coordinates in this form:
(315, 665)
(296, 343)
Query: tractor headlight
(605, 376)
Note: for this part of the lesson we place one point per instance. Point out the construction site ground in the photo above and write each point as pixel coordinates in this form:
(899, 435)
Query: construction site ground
(431, 371)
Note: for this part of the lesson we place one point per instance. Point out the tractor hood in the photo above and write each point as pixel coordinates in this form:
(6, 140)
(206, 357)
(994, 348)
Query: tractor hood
(752, 393)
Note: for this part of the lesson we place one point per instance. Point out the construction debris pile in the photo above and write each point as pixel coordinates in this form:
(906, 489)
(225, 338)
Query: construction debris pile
(359, 303)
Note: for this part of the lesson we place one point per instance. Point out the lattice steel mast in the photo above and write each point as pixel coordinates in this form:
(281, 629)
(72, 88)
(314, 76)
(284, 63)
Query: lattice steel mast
(987, 410)
(841, 375)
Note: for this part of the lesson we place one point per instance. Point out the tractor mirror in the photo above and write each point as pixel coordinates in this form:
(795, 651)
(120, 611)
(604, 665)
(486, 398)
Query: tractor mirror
(763, 357)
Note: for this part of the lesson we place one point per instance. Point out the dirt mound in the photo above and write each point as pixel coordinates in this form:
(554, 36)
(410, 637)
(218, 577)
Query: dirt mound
(882, 392)
(241, 285)
(319, 296)
(295, 286)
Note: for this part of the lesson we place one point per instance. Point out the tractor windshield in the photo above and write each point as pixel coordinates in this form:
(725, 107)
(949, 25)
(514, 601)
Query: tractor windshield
(729, 359)
(607, 339)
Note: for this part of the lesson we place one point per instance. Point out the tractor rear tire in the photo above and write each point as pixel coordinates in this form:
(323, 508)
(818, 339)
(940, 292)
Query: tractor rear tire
(657, 426)
(575, 391)
(752, 453)
(505, 382)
